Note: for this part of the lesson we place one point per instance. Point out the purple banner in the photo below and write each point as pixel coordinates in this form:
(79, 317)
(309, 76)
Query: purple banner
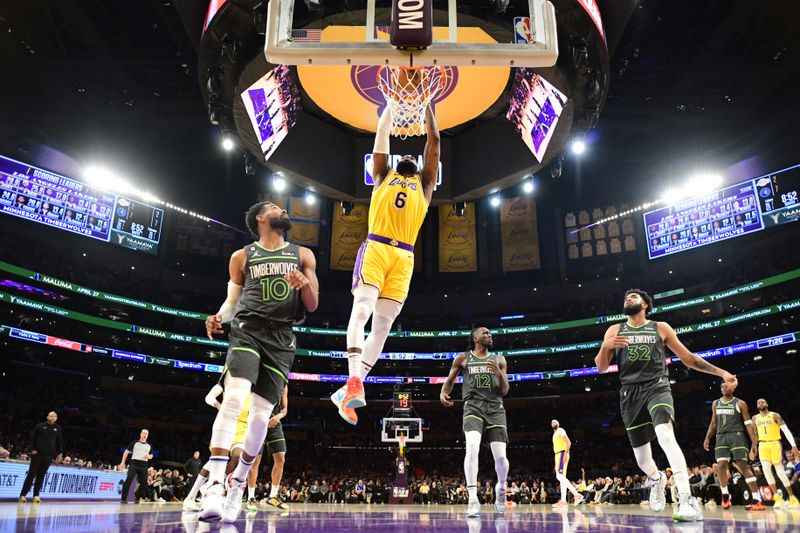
(723, 214)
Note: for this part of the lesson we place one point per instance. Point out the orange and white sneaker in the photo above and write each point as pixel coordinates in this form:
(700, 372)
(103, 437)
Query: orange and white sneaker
(348, 414)
(354, 397)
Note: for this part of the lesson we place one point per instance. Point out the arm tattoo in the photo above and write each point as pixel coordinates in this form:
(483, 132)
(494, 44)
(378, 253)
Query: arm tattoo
(703, 366)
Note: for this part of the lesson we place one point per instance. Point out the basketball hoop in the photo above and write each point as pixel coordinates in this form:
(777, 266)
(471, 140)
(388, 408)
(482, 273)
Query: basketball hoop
(408, 92)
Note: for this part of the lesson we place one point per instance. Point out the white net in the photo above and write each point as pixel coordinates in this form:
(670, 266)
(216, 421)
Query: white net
(408, 92)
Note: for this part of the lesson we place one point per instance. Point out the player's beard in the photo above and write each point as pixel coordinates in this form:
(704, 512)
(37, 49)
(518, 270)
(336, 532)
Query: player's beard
(631, 310)
(406, 167)
(281, 223)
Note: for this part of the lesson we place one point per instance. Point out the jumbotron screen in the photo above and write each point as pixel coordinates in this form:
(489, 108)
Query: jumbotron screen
(723, 214)
(40, 196)
(534, 109)
(778, 196)
(273, 105)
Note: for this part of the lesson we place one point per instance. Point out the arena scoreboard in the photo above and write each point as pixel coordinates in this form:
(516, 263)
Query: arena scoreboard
(778, 196)
(40, 196)
(402, 402)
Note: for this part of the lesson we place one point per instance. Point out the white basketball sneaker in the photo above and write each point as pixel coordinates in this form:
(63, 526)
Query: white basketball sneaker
(191, 505)
(233, 500)
(348, 414)
(500, 498)
(689, 510)
(212, 503)
(658, 495)
(473, 509)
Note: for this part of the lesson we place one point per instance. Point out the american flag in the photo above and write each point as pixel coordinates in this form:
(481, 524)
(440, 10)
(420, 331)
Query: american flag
(306, 36)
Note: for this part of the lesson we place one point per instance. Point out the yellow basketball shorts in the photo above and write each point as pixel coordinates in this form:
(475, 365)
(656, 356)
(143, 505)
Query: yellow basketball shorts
(238, 439)
(770, 452)
(562, 461)
(387, 268)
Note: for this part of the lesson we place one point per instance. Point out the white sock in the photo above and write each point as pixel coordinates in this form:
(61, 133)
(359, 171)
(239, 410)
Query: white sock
(251, 493)
(756, 493)
(216, 468)
(197, 484)
(668, 443)
(354, 364)
(473, 493)
(273, 491)
(724, 490)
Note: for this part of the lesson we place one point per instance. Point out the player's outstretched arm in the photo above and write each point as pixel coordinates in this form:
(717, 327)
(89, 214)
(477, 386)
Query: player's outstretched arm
(712, 427)
(611, 341)
(447, 386)
(691, 360)
(225, 313)
(380, 152)
(430, 164)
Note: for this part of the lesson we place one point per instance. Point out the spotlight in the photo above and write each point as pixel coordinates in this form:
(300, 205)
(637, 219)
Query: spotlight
(459, 207)
(347, 207)
(214, 85)
(278, 183)
(495, 201)
(311, 199)
(578, 146)
(527, 187)
(703, 183)
(227, 141)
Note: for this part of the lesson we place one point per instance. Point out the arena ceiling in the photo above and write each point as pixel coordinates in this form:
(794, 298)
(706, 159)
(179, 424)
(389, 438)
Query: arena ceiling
(692, 84)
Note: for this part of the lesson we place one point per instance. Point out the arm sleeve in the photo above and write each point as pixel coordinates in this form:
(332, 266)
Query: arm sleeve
(229, 305)
(382, 134)
(788, 434)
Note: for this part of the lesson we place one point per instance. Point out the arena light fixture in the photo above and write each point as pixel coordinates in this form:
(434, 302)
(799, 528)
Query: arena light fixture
(227, 141)
(495, 200)
(703, 183)
(528, 186)
(278, 183)
(311, 198)
(578, 146)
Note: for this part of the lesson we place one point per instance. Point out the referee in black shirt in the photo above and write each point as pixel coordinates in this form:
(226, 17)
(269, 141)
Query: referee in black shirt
(46, 443)
(140, 455)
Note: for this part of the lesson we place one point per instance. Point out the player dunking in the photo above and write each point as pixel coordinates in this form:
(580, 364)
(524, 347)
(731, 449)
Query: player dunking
(561, 447)
(385, 261)
(730, 419)
(639, 347)
(272, 284)
(485, 383)
(769, 425)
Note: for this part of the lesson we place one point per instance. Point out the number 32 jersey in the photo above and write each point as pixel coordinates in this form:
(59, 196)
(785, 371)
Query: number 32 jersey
(398, 208)
(645, 357)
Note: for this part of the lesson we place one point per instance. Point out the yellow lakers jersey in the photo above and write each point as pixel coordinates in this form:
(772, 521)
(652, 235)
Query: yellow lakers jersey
(767, 429)
(398, 208)
(559, 440)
